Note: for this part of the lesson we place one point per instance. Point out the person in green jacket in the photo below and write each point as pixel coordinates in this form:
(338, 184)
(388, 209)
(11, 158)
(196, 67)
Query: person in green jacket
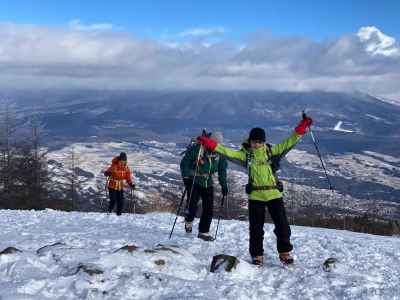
(263, 187)
(197, 168)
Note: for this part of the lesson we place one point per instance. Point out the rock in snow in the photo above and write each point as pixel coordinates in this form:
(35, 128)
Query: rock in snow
(58, 255)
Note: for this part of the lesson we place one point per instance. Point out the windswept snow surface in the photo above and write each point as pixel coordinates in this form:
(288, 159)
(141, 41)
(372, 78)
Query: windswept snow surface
(368, 267)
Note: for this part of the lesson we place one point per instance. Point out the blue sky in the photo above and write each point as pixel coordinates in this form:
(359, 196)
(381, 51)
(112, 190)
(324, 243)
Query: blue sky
(318, 20)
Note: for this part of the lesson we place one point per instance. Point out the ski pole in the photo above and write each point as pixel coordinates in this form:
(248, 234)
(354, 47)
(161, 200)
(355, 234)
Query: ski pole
(107, 194)
(319, 154)
(133, 199)
(219, 217)
(177, 212)
(190, 195)
(130, 203)
(191, 190)
(195, 174)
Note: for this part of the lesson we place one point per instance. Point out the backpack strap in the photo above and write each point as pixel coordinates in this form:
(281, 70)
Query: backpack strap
(269, 159)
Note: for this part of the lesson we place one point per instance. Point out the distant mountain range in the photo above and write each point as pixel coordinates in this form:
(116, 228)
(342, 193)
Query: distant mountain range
(375, 124)
(358, 133)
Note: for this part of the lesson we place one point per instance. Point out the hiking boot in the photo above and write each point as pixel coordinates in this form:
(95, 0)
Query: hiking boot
(188, 226)
(205, 236)
(257, 260)
(286, 258)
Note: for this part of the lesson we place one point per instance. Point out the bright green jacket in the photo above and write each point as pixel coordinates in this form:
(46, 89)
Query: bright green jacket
(209, 164)
(260, 170)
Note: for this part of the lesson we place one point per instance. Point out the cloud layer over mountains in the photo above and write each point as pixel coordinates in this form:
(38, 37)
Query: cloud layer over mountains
(93, 56)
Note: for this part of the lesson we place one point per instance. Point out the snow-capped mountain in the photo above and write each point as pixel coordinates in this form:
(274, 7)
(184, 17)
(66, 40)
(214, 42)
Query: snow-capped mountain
(361, 154)
(57, 255)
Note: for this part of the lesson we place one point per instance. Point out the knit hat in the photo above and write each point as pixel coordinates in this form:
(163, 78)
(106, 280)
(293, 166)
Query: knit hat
(257, 134)
(217, 136)
(122, 156)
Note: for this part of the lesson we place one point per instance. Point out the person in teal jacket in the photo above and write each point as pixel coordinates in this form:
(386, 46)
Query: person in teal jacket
(263, 188)
(197, 169)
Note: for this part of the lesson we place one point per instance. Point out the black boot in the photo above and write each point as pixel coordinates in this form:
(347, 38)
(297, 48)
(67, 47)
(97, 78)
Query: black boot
(286, 258)
(205, 236)
(257, 260)
(188, 226)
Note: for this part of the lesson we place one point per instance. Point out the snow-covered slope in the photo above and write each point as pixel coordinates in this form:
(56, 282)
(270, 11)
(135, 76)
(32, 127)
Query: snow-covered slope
(156, 168)
(84, 261)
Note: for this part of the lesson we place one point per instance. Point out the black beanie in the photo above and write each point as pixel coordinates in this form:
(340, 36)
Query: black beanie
(122, 156)
(257, 134)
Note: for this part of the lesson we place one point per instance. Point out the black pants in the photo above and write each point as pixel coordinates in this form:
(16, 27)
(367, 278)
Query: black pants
(282, 231)
(118, 197)
(207, 203)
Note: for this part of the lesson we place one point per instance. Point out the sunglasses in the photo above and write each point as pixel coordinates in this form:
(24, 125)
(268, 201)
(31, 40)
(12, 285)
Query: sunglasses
(257, 141)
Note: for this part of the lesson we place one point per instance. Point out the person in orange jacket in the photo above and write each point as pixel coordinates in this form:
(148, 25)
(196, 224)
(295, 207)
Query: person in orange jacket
(117, 173)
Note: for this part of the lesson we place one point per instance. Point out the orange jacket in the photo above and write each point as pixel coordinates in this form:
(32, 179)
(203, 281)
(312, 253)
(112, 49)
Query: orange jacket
(119, 172)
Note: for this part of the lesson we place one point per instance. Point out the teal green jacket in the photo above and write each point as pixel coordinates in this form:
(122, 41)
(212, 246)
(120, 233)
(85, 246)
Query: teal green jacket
(209, 164)
(260, 171)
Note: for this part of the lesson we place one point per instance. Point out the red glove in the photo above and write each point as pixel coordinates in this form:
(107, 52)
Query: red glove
(303, 125)
(207, 142)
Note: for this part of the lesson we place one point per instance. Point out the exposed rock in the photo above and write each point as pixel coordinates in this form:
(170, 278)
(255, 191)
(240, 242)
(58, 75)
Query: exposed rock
(90, 269)
(230, 262)
(10, 250)
(160, 262)
(42, 249)
(129, 248)
(329, 264)
(150, 251)
(161, 247)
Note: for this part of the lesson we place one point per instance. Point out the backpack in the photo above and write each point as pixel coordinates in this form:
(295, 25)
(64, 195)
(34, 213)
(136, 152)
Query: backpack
(273, 160)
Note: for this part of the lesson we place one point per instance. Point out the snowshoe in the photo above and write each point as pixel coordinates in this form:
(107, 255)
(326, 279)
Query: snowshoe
(188, 227)
(205, 237)
(286, 258)
(257, 260)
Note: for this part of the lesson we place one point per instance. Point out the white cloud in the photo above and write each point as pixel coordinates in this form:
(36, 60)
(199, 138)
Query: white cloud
(77, 25)
(378, 43)
(202, 32)
(34, 56)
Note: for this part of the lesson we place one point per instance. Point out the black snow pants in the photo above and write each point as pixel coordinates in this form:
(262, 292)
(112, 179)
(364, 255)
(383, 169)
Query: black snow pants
(116, 197)
(282, 231)
(207, 203)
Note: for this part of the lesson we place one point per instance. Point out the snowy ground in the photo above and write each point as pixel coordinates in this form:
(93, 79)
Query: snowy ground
(88, 243)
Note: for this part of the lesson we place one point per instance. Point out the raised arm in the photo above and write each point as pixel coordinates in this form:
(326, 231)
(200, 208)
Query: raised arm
(234, 155)
(289, 143)
(286, 145)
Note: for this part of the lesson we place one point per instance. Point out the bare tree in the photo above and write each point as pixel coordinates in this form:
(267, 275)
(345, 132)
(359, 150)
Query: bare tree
(74, 181)
(8, 128)
(31, 165)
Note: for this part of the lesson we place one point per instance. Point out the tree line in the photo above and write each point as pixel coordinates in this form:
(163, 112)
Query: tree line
(26, 178)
